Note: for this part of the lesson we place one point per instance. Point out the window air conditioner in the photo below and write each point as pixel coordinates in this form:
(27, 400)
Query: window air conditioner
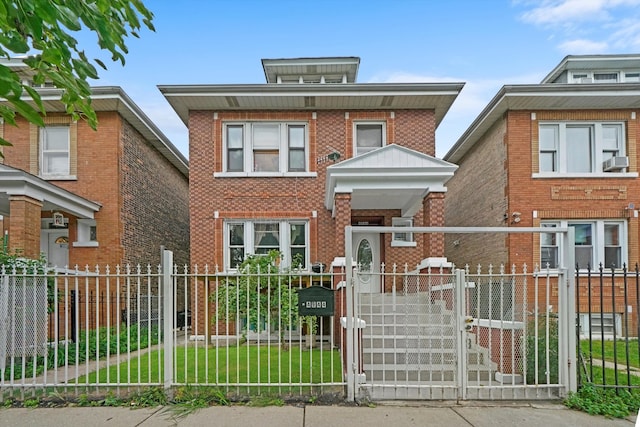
(615, 164)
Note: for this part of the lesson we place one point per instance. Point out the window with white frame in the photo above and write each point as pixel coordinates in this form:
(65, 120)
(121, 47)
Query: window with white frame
(579, 148)
(368, 136)
(614, 76)
(596, 242)
(399, 238)
(265, 147)
(289, 237)
(87, 233)
(54, 151)
(595, 324)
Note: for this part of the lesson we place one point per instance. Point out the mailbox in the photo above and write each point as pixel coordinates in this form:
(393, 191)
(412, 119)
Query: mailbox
(315, 301)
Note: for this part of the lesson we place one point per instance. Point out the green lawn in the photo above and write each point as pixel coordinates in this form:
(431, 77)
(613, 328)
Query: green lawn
(610, 349)
(245, 365)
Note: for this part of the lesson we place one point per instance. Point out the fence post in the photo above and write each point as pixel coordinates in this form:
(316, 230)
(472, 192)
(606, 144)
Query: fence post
(350, 320)
(567, 321)
(459, 291)
(167, 310)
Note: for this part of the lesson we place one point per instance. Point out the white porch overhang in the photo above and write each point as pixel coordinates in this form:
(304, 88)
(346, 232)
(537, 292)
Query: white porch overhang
(16, 182)
(391, 177)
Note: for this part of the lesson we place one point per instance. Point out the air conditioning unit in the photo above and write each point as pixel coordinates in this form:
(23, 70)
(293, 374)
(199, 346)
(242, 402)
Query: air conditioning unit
(615, 164)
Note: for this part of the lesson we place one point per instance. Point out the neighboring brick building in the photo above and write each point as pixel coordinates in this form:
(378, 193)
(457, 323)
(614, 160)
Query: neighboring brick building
(94, 198)
(288, 164)
(562, 153)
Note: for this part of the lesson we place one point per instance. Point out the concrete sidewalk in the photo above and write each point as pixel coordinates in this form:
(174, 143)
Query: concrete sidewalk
(394, 414)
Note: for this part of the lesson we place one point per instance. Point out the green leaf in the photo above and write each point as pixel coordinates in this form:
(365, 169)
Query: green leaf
(27, 111)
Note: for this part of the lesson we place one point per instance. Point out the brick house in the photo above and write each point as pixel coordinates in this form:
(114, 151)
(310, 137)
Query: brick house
(562, 153)
(288, 164)
(82, 197)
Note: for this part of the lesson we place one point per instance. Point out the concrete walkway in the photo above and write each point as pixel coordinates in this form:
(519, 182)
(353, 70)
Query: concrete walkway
(398, 414)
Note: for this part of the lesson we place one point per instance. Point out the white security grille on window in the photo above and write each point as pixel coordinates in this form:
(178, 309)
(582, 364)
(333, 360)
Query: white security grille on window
(54, 150)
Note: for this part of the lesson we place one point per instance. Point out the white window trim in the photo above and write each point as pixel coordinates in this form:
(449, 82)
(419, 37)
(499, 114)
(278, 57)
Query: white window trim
(285, 239)
(402, 222)
(247, 147)
(585, 327)
(83, 234)
(357, 123)
(589, 76)
(41, 137)
(597, 150)
(598, 243)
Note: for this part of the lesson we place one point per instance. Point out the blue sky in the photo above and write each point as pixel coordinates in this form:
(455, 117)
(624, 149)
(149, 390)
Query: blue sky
(484, 43)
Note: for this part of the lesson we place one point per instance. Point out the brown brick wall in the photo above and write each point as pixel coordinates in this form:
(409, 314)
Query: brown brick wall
(155, 209)
(487, 185)
(270, 197)
(476, 196)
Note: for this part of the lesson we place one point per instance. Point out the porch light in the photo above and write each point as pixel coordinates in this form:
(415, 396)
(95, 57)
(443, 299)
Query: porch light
(58, 219)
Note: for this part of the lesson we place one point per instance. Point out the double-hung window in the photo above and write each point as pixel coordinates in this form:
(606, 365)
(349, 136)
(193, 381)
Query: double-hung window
(265, 147)
(289, 237)
(578, 148)
(368, 136)
(54, 151)
(595, 242)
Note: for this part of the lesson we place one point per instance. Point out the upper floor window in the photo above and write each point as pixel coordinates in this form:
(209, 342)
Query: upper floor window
(265, 147)
(289, 237)
(614, 76)
(368, 136)
(596, 242)
(54, 151)
(579, 148)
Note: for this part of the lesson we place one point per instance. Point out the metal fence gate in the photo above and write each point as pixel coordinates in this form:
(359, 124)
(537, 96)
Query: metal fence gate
(451, 333)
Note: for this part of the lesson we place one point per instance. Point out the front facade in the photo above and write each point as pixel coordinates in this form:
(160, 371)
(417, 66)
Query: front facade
(562, 153)
(81, 197)
(288, 164)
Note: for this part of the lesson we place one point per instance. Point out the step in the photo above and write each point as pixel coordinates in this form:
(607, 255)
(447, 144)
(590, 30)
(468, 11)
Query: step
(410, 330)
(421, 318)
(400, 341)
(424, 376)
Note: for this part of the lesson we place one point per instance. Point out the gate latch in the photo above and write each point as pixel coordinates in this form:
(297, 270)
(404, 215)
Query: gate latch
(468, 323)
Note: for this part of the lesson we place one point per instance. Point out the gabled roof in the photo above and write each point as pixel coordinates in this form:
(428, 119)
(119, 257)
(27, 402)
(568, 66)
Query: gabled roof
(391, 177)
(554, 96)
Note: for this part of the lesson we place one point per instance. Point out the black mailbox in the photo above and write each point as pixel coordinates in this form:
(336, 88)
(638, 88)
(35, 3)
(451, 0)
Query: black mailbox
(315, 301)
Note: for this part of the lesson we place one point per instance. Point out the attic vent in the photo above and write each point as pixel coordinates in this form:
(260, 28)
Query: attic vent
(386, 101)
(232, 101)
(309, 101)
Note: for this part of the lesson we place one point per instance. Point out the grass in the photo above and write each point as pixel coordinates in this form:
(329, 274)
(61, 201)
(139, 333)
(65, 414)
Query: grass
(245, 365)
(612, 350)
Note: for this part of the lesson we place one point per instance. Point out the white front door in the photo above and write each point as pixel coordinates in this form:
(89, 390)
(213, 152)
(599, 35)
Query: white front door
(366, 254)
(58, 249)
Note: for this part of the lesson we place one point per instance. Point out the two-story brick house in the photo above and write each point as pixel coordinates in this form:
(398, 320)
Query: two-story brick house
(84, 197)
(288, 164)
(562, 153)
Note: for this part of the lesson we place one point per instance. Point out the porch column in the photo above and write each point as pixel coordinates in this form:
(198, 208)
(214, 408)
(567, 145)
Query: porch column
(343, 218)
(433, 208)
(24, 226)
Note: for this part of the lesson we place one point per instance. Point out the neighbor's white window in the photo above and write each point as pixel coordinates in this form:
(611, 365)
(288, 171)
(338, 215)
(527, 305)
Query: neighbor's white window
(596, 242)
(265, 147)
(368, 136)
(289, 237)
(54, 151)
(631, 77)
(578, 148)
